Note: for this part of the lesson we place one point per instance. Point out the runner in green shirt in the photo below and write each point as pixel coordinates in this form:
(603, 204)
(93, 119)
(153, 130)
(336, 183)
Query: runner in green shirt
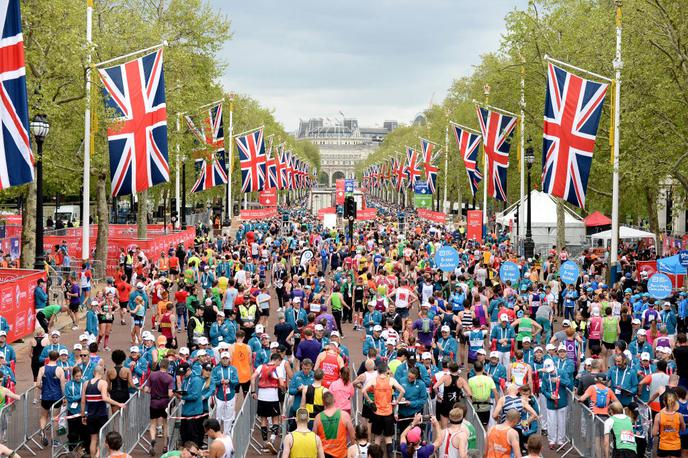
(47, 315)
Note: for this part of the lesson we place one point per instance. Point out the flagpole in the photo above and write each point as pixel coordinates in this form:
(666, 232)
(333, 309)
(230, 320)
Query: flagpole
(522, 164)
(618, 65)
(176, 179)
(582, 70)
(465, 128)
(86, 217)
(446, 165)
(486, 91)
(133, 53)
(229, 158)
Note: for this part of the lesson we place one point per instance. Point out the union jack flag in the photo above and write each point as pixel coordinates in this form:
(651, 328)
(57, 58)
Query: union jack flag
(412, 170)
(16, 163)
(280, 167)
(252, 159)
(289, 169)
(211, 167)
(469, 143)
(137, 142)
(573, 106)
(497, 129)
(398, 174)
(271, 165)
(429, 159)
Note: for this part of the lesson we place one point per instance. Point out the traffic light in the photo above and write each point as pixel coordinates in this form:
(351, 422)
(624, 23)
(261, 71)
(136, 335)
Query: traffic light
(350, 207)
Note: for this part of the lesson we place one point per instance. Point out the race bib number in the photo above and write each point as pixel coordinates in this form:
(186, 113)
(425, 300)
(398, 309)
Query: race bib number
(627, 437)
(73, 405)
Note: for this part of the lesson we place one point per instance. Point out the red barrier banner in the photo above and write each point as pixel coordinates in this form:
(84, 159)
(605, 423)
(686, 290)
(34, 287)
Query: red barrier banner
(474, 229)
(364, 214)
(268, 197)
(261, 213)
(339, 193)
(17, 302)
(437, 217)
(327, 210)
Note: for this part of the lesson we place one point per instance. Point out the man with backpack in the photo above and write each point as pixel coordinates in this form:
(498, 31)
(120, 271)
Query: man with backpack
(600, 396)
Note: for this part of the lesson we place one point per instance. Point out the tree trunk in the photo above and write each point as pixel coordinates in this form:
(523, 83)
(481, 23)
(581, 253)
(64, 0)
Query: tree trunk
(561, 225)
(28, 238)
(102, 213)
(142, 216)
(651, 202)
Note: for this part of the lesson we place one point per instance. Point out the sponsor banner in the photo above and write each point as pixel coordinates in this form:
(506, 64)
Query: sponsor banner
(569, 272)
(268, 197)
(437, 217)
(349, 185)
(326, 211)
(364, 214)
(659, 286)
(474, 229)
(446, 259)
(17, 302)
(339, 191)
(647, 266)
(261, 213)
(510, 271)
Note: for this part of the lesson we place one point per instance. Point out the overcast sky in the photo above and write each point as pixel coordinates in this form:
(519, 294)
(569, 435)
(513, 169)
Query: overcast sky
(373, 60)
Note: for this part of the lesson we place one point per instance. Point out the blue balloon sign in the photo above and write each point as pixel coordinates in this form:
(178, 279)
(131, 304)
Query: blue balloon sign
(569, 272)
(510, 272)
(659, 286)
(683, 258)
(446, 259)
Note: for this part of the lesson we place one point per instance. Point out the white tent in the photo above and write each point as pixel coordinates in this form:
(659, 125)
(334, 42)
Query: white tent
(625, 233)
(544, 220)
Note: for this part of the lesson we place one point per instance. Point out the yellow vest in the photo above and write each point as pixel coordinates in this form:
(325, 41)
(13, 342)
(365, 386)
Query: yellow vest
(247, 313)
(304, 445)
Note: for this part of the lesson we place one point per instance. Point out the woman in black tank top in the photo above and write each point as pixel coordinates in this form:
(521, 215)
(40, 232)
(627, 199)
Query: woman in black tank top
(119, 379)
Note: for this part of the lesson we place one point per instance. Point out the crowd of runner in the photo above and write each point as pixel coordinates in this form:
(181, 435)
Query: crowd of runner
(251, 315)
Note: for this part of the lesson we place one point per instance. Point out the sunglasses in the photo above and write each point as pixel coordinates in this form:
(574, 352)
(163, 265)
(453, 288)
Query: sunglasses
(84, 356)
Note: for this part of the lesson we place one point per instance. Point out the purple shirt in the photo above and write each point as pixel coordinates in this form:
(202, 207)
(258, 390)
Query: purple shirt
(160, 383)
(425, 451)
(424, 338)
(308, 349)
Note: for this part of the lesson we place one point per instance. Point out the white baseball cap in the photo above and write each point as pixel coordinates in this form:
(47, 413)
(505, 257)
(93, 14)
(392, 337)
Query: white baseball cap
(202, 341)
(260, 329)
(481, 351)
(319, 327)
(494, 354)
(561, 347)
(334, 334)
(548, 366)
(55, 333)
(566, 323)
(537, 349)
(63, 351)
(445, 328)
(208, 301)
(377, 327)
(642, 332)
(644, 356)
(274, 345)
(635, 321)
(139, 285)
(85, 336)
(134, 349)
(3, 333)
(628, 355)
(391, 342)
(183, 351)
(426, 355)
(503, 317)
(224, 354)
(148, 337)
(222, 345)
(588, 361)
(77, 347)
(526, 339)
(201, 352)
(550, 346)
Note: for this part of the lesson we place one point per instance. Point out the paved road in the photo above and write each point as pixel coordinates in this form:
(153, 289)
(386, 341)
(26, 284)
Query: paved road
(120, 339)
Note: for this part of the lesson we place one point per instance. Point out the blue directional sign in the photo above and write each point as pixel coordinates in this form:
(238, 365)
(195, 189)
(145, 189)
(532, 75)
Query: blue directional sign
(659, 286)
(683, 257)
(421, 187)
(446, 259)
(349, 186)
(509, 272)
(569, 272)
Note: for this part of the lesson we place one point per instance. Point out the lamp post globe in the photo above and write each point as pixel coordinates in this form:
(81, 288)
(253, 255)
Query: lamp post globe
(39, 128)
(528, 243)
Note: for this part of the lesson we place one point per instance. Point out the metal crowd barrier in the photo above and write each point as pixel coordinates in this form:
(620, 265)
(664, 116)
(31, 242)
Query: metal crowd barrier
(480, 434)
(174, 412)
(242, 429)
(132, 423)
(585, 432)
(19, 425)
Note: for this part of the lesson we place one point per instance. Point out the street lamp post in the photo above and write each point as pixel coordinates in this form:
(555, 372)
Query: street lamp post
(528, 244)
(183, 208)
(39, 129)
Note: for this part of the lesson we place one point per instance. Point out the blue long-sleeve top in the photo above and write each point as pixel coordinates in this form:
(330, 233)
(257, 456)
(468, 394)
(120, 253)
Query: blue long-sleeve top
(500, 332)
(4, 326)
(372, 342)
(40, 298)
(566, 370)
(262, 356)
(292, 315)
(218, 333)
(416, 393)
(232, 328)
(669, 320)
(132, 301)
(10, 354)
(683, 308)
(636, 348)
(86, 370)
(370, 319)
(299, 379)
(496, 371)
(402, 371)
(254, 343)
(49, 348)
(193, 398)
(450, 347)
(624, 382)
(207, 391)
(548, 386)
(224, 392)
(92, 323)
(73, 396)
